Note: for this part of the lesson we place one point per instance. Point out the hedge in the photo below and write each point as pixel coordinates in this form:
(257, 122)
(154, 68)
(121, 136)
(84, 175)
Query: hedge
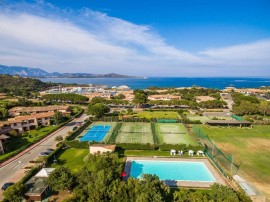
(52, 155)
(154, 133)
(77, 144)
(30, 174)
(168, 147)
(115, 133)
(131, 146)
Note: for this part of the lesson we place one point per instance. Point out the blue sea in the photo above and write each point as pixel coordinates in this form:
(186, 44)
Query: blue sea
(142, 83)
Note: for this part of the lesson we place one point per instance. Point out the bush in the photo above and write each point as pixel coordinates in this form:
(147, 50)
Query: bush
(168, 147)
(52, 155)
(77, 144)
(30, 174)
(131, 146)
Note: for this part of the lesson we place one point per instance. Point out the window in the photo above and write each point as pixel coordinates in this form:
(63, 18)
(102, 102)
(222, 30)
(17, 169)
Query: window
(31, 121)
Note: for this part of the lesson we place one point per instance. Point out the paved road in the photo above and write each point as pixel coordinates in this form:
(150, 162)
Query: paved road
(11, 172)
(227, 98)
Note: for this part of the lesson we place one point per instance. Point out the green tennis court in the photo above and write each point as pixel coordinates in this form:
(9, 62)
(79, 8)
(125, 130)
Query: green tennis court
(173, 133)
(135, 133)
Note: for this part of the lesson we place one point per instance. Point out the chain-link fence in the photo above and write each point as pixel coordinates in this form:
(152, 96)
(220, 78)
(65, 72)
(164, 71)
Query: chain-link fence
(224, 162)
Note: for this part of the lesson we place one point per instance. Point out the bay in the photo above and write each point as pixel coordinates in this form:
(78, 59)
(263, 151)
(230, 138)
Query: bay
(162, 82)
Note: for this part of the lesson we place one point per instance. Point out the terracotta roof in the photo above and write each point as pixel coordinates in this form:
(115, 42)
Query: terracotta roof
(33, 116)
(107, 146)
(2, 123)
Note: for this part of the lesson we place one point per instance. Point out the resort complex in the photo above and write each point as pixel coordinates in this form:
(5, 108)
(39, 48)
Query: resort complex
(188, 138)
(134, 101)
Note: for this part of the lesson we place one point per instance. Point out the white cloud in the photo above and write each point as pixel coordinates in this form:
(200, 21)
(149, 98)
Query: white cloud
(90, 41)
(256, 53)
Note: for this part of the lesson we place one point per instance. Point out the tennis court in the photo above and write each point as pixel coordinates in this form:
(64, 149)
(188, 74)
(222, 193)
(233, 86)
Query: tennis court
(96, 133)
(135, 133)
(173, 133)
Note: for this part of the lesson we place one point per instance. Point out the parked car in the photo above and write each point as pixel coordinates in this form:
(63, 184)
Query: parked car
(48, 151)
(43, 154)
(6, 185)
(75, 128)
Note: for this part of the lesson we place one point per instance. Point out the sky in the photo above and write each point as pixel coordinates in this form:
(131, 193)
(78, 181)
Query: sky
(174, 38)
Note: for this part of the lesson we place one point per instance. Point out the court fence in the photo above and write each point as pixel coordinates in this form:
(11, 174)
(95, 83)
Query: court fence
(167, 120)
(238, 118)
(114, 133)
(224, 162)
(153, 129)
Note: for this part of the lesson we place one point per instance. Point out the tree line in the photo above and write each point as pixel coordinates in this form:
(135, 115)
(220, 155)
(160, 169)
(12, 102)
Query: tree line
(249, 105)
(66, 98)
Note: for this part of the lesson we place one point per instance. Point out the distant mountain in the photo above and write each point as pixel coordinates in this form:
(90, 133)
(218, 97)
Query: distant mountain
(39, 73)
(22, 71)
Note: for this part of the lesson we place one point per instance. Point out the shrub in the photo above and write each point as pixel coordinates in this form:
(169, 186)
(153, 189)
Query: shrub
(77, 144)
(168, 147)
(131, 146)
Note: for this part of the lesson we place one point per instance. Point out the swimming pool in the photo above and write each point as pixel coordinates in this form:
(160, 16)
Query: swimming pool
(96, 133)
(172, 170)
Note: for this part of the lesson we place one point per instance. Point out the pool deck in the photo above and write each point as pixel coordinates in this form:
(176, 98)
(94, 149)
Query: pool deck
(173, 183)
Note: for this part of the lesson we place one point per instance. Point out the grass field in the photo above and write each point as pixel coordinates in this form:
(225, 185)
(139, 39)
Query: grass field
(108, 135)
(195, 117)
(173, 133)
(135, 133)
(72, 158)
(250, 149)
(157, 115)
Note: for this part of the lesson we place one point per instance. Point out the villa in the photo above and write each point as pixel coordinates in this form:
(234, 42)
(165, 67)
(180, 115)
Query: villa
(25, 123)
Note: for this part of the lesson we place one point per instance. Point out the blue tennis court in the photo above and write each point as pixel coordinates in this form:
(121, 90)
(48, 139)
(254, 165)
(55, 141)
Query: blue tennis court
(96, 133)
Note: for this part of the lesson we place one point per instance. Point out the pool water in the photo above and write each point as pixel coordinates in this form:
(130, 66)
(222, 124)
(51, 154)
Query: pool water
(172, 170)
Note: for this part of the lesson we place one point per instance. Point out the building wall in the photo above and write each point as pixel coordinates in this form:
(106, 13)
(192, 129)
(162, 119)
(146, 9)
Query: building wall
(1, 147)
(94, 150)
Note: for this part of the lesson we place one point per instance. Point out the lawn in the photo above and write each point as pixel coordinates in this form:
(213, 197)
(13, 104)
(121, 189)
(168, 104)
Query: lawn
(157, 115)
(16, 143)
(135, 133)
(195, 117)
(109, 133)
(173, 133)
(72, 158)
(250, 149)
